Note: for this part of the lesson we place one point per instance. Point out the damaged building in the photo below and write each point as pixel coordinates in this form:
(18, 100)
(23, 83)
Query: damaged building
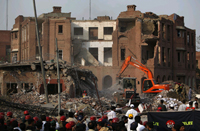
(27, 77)
(161, 42)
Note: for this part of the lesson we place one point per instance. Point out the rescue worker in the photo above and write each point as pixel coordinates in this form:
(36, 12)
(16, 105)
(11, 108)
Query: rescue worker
(190, 106)
(9, 118)
(195, 101)
(112, 113)
(130, 121)
(71, 117)
(132, 111)
(196, 106)
(26, 112)
(84, 93)
(171, 107)
(140, 127)
(162, 105)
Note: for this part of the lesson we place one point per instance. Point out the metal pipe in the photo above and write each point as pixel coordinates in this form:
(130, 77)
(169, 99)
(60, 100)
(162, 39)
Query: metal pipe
(97, 95)
(58, 73)
(40, 52)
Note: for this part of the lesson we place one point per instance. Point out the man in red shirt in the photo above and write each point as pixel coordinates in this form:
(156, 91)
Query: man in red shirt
(190, 106)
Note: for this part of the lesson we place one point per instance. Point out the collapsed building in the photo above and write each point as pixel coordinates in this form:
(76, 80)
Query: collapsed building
(162, 43)
(27, 77)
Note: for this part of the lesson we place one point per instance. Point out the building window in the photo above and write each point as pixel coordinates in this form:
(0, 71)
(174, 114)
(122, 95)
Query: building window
(60, 54)
(183, 57)
(163, 55)
(108, 30)
(179, 57)
(192, 39)
(168, 50)
(192, 57)
(168, 32)
(123, 54)
(188, 56)
(159, 54)
(94, 52)
(15, 35)
(179, 33)
(93, 33)
(163, 30)
(188, 38)
(78, 30)
(60, 28)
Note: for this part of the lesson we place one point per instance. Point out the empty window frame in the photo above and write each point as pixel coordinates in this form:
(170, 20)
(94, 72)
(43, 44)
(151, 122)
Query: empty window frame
(15, 35)
(192, 39)
(179, 33)
(123, 51)
(93, 33)
(60, 28)
(168, 32)
(108, 55)
(179, 57)
(163, 30)
(78, 30)
(60, 54)
(94, 52)
(108, 30)
(188, 38)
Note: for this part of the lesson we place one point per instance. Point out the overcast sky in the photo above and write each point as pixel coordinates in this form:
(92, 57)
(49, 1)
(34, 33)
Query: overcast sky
(80, 8)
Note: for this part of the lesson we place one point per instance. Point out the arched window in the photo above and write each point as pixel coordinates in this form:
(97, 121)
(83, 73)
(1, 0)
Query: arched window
(107, 82)
(163, 79)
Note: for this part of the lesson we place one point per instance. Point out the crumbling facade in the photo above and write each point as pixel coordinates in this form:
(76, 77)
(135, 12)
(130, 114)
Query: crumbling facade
(162, 43)
(5, 39)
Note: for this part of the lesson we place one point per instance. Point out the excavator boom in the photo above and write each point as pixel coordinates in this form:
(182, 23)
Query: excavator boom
(136, 64)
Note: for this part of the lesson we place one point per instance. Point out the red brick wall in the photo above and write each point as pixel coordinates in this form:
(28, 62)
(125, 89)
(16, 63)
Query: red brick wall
(5, 39)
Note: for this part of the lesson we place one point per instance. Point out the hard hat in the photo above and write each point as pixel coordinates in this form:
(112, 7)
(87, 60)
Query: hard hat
(35, 118)
(11, 121)
(72, 123)
(93, 118)
(68, 126)
(84, 91)
(115, 120)
(171, 105)
(144, 123)
(9, 113)
(105, 117)
(1, 117)
(2, 113)
(160, 108)
(26, 112)
(48, 119)
(130, 116)
(27, 117)
(132, 105)
(62, 118)
(100, 119)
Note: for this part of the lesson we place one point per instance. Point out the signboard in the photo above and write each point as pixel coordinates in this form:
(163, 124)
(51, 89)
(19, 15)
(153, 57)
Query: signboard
(164, 121)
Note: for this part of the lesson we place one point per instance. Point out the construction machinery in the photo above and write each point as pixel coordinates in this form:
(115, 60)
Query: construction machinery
(149, 86)
(129, 92)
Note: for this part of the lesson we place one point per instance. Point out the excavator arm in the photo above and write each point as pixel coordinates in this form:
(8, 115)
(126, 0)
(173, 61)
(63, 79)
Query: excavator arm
(136, 64)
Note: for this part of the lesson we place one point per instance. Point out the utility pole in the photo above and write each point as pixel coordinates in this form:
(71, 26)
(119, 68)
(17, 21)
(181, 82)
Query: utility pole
(58, 73)
(90, 10)
(6, 14)
(40, 51)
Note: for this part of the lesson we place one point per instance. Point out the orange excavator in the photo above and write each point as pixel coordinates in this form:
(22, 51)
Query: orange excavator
(149, 85)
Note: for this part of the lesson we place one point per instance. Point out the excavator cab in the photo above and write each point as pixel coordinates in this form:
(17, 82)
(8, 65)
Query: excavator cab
(147, 84)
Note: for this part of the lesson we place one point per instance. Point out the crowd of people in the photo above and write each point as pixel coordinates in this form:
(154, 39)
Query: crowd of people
(75, 122)
(71, 121)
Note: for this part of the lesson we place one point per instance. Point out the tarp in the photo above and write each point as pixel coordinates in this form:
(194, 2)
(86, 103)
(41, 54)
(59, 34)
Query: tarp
(163, 121)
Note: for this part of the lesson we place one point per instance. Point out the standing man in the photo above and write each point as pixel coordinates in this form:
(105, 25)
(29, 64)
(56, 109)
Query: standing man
(162, 105)
(111, 114)
(132, 111)
(190, 94)
(183, 106)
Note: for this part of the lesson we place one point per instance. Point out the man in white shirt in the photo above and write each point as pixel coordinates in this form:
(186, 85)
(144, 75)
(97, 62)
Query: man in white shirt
(112, 113)
(132, 111)
(43, 118)
(130, 121)
(139, 127)
(183, 106)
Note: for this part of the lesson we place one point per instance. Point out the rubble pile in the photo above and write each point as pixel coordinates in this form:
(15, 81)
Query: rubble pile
(89, 105)
(167, 100)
